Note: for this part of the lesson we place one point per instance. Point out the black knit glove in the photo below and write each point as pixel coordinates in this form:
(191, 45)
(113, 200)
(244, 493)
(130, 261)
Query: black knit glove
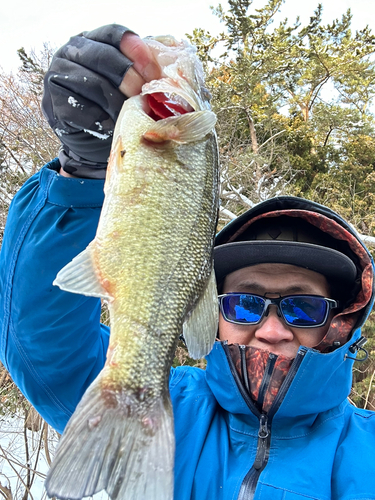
(82, 101)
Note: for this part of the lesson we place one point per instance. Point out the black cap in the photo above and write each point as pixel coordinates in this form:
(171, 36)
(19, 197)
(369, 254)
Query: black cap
(282, 239)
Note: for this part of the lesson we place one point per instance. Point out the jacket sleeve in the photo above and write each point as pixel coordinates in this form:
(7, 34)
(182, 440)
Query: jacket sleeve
(51, 342)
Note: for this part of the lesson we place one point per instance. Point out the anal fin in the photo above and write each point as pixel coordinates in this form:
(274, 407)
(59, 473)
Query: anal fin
(200, 328)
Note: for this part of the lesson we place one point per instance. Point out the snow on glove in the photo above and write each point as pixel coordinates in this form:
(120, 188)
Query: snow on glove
(82, 101)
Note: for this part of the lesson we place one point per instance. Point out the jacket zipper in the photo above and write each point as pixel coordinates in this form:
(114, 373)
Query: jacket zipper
(250, 481)
(266, 378)
(245, 376)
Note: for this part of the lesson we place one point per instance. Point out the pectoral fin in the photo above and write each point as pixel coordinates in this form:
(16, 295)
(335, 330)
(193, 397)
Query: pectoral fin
(200, 328)
(79, 276)
(190, 127)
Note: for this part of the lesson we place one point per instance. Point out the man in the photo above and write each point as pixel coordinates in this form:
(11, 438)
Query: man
(269, 417)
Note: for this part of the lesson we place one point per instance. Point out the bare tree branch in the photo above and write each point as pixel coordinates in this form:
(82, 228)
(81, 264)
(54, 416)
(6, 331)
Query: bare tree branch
(369, 390)
(228, 213)
(6, 492)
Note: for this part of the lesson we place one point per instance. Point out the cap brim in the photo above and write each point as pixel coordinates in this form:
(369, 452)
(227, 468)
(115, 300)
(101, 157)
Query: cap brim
(333, 264)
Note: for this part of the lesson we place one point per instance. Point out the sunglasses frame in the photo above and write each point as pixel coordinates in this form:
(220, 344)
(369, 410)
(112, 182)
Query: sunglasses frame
(332, 304)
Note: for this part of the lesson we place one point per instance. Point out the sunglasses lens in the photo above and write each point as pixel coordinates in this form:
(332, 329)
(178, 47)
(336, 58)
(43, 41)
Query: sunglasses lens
(304, 311)
(243, 308)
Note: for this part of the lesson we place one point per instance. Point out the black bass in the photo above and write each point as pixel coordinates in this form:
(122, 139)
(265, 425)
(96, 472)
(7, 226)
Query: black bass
(151, 260)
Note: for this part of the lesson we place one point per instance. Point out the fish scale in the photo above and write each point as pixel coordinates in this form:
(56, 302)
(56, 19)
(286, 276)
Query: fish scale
(151, 260)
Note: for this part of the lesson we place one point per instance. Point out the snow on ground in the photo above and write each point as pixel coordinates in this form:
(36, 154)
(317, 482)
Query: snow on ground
(13, 471)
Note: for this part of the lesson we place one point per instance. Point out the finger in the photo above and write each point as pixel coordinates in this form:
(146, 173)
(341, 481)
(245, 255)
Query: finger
(132, 83)
(139, 53)
(101, 58)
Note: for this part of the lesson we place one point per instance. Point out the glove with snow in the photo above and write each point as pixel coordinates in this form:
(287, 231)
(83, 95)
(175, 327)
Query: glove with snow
(82, 99)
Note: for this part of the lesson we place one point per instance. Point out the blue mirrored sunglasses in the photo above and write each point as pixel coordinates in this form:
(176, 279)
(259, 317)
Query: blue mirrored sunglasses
(300, 311)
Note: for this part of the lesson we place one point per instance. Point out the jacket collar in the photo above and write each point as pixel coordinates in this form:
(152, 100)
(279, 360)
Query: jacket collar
(317, 391)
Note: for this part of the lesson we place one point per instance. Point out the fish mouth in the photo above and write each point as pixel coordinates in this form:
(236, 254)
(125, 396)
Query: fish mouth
(160, 105)
(181, 88)
(168, 97)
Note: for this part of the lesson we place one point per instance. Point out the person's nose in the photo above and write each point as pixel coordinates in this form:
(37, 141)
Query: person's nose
(273, 329)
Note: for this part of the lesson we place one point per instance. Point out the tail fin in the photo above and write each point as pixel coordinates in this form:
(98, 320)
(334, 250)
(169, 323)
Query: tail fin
(104, 448)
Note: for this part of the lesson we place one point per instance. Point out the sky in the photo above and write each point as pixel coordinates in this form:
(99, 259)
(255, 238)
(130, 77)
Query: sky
(28, 24)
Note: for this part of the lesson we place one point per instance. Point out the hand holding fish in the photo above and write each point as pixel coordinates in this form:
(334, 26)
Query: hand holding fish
(89, 79)
(144, 69)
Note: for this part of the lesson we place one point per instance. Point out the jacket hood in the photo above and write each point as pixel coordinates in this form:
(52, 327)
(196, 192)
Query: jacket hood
(359, 298)
(326, 370)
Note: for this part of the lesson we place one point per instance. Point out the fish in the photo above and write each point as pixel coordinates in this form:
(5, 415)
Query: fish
(151, 260)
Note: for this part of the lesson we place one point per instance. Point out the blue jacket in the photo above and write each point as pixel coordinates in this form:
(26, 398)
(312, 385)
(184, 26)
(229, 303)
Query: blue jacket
(315, 445)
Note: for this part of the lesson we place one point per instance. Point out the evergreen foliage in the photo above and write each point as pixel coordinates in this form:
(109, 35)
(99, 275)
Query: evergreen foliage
(294, 107)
